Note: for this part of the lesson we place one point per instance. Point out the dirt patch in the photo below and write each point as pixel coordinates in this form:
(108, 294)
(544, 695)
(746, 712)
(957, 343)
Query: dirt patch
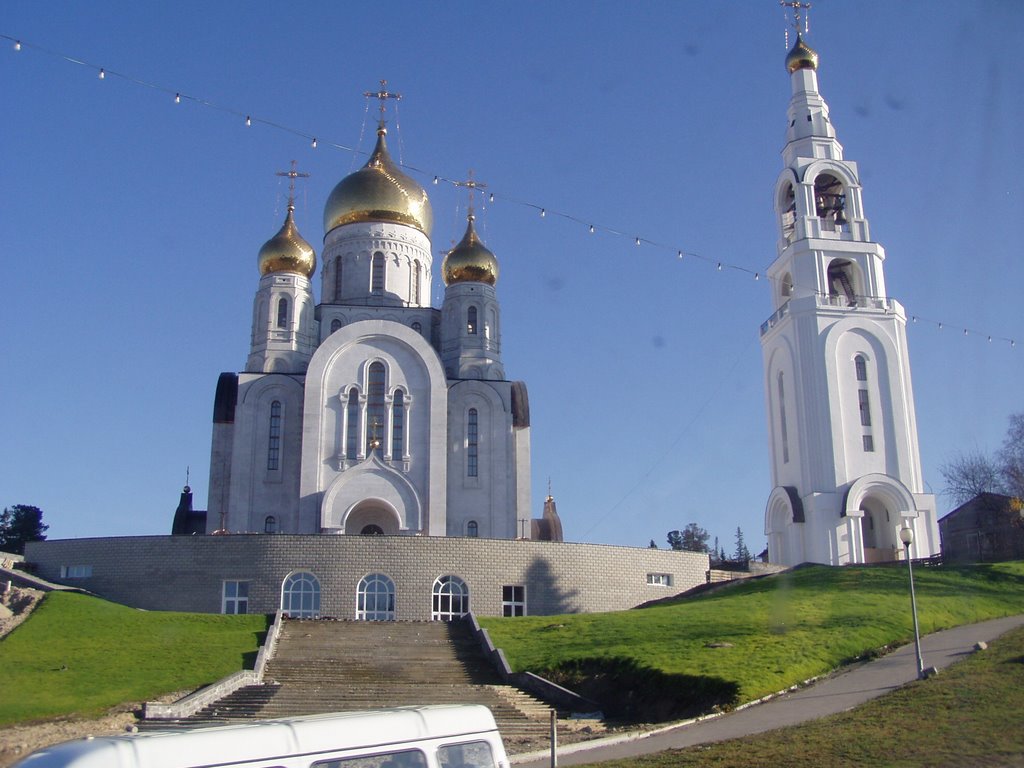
(17, 741)
(18, 603)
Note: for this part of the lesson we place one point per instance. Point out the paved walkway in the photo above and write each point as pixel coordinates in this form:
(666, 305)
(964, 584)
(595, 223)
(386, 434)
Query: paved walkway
(847, 689)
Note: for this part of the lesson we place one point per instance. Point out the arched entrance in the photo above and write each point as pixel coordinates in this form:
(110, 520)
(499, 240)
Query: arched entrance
(372, 517)
(879, 530)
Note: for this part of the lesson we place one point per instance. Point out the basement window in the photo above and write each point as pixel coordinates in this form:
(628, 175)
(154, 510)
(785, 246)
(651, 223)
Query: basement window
(75, 571)
(659, 579)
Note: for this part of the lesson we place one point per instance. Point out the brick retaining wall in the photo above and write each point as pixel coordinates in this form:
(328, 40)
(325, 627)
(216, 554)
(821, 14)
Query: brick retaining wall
(186, 573)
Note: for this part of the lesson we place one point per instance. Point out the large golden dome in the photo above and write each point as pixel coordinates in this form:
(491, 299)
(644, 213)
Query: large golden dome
(470, 261)
(287, 251)
(378, 191)
(801, 56)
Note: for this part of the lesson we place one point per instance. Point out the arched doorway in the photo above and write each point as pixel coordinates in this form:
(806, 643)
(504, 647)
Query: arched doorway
(878, 531)
(372, 518)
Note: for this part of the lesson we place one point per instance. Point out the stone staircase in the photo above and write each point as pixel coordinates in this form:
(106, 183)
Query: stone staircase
(333, 666)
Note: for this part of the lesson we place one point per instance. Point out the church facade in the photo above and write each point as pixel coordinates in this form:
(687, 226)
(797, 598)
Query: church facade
(370, 411)
(845, 462)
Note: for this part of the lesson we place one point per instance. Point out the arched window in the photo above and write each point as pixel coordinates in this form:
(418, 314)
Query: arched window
(376, 415)
(282, 312)
(840, 282)
(787, 286)
(830, 200)
(398, 426)
(415, 298)
(377, 272)
(371, 530)
(337, 279)
(865, 407)
(788, 206)
(274, 440)
(270, 524)
(352, 438)
(375, 598)
(335, 324)
(472, 443)
(783, 430)
(300, 596)
(860, 366)
(450, 599)
(472, 529)
(471, 321)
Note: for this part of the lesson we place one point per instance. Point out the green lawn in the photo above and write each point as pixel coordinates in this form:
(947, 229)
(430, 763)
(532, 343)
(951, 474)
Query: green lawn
(659, 662)
(968, 715)
(79, 655)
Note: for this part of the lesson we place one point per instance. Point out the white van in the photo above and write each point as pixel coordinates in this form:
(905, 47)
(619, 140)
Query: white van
(455, 736)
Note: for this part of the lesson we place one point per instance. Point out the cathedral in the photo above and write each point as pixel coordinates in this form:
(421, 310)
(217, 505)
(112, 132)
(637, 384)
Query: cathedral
(370, 411)
(845, 462)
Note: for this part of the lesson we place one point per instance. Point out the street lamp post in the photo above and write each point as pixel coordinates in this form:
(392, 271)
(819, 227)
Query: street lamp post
(907, 537)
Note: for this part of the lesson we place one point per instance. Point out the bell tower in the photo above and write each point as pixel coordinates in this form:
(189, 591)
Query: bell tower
(845, 462)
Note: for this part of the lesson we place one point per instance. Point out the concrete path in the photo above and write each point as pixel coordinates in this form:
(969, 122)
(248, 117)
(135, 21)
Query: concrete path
(847, 689)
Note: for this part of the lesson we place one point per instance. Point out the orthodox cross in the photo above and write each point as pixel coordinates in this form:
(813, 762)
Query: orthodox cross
(292, 175)
(797, 7)
(472, 185)
(383, 95)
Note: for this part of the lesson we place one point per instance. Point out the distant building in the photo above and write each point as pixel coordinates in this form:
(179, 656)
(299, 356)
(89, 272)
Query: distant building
(987, 528)
(846, 467)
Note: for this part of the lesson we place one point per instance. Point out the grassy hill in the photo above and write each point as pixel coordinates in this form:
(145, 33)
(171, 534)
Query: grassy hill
(737, 644)
(968, 715)
(81, 655)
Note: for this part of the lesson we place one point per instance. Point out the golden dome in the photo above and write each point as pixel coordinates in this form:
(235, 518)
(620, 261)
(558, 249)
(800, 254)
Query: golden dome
(802, 56)
(470, 261)
(378, 191)
(287, 251)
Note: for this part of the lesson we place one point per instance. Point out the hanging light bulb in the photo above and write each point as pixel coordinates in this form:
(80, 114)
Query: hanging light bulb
(719, 266)
(940, 326)
(103, 73)
(248, 121)
(757, 275)
(543, 213)
(435, 181)
(313, 143)
(638, 241)
(1013, 343)
(490, 198)
(913, 318)
(989, 339)
(591, 229)
(680, 255)
(17, 45)
(177, 98)
(965, 331)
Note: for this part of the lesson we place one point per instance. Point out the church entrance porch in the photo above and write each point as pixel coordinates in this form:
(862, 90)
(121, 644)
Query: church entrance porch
(372, 517)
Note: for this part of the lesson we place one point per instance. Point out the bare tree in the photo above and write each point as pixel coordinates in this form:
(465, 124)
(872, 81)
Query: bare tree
(1010, 457)
(968, 474)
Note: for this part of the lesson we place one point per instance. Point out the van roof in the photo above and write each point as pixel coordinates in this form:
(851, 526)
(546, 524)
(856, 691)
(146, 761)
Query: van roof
(232, 744)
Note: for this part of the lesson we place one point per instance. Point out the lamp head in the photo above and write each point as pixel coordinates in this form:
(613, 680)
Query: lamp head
(907, 536)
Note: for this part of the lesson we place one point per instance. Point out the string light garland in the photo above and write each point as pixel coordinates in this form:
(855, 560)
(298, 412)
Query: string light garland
(102, 73)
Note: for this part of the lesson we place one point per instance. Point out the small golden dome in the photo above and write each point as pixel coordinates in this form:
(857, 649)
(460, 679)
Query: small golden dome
(287, 251)
(470, 261)
(802, 56)
(379, 191)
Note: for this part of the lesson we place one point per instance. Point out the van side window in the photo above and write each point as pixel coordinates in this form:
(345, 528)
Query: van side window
(410, 758)
(471, 754)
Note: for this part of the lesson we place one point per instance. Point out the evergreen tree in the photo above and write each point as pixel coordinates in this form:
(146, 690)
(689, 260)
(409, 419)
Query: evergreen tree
(20, 524)
(742, 553)
(652, 545)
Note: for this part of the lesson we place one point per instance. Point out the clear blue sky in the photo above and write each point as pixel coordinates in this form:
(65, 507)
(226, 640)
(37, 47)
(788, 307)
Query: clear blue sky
(132, 225)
